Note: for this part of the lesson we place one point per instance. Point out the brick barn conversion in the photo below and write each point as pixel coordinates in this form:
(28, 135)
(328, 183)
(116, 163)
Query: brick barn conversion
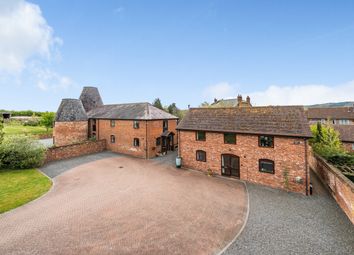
(137, 129)
(264, 145)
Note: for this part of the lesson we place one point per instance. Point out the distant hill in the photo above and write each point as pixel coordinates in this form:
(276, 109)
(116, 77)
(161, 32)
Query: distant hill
(326, 105)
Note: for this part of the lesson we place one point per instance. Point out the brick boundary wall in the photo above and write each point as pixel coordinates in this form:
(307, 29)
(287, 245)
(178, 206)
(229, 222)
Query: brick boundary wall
(340, 187)
(74, 150)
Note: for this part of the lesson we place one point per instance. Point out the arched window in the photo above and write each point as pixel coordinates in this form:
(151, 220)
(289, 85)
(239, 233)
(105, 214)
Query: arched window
(113, 139)
(266, 166)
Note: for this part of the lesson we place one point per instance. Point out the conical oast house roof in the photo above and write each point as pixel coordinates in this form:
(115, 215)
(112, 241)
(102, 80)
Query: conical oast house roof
(71, 110)
(90, 98)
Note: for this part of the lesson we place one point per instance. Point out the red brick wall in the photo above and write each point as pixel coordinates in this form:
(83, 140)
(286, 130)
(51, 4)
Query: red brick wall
(348, 146)
(75, 150)
(288, 153)
(341, 188)
(65, 133)
(125, 134)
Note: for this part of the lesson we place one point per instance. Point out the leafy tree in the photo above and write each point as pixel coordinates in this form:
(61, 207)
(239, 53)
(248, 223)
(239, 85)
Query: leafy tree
(326, 141)
(172, 108)
(1, 130)
(48, 119)
(157, 103)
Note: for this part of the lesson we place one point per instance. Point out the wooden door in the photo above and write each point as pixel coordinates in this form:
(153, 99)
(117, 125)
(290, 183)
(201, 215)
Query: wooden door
(230, 165)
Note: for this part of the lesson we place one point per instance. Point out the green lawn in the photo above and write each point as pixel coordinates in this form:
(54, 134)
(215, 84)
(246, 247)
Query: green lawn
(11, 129)
(18, 187)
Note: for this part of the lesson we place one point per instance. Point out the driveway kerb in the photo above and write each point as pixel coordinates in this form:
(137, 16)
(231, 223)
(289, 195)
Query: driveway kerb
(244, 223)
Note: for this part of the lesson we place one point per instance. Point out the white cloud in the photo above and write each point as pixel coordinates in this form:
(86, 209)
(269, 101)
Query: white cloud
(47, 79)
(24, 33)
(303, 94)
(219, 90)
(27, 46)
(287, 95)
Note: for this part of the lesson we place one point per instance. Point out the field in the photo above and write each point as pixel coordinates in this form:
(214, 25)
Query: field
(17, 129)
(18, 187)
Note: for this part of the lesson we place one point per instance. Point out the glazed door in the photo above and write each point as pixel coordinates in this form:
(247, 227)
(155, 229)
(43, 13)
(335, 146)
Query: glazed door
(230, 165)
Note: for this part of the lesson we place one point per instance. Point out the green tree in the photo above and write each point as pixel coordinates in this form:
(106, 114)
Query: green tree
(48, 119)
(172, 108)
(326, 140)
(1, 130)
(157, 103)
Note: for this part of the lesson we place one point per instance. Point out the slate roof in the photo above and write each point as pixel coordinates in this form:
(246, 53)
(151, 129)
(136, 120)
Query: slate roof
(133, 111)
(346, 132)
(331, 112)
(90, 98)
(71, 110)
(271, 120)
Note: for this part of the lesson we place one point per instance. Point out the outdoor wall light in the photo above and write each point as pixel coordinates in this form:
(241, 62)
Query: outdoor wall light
(298, 179)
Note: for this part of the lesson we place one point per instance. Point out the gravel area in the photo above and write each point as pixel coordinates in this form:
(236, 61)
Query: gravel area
(287, 223)
(55, 168)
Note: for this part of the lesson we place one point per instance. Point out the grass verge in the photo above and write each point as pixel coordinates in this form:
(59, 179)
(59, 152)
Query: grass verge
(18, 187)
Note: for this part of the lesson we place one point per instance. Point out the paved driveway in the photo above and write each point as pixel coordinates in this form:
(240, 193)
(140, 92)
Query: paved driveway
(121, 205)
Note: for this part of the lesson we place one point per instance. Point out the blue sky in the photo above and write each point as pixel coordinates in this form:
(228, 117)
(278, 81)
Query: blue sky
(278, 52)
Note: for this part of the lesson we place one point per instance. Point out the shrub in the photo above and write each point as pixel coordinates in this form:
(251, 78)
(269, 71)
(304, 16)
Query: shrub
(1, 130)
(32, 122)
(326, 140)
(48, 119)
(21, 152)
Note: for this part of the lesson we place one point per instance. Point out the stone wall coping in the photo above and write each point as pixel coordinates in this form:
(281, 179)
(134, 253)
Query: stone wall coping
(335, 171)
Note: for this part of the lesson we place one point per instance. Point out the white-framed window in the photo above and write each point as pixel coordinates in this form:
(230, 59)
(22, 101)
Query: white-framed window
(343, 122)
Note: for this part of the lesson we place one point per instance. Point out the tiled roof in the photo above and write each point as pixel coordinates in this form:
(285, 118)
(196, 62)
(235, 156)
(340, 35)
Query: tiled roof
(331, 113)
(136, 111)
(71, 110)
(272, 120)
(90, 97)
(346, 132)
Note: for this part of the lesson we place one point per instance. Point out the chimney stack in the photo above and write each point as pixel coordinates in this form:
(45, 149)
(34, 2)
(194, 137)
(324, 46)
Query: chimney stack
(248, 99)
(239, 99)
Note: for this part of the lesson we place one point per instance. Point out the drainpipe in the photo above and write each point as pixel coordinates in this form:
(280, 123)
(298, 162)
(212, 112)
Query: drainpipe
(306, 167)
(179, 143)
(146, 140)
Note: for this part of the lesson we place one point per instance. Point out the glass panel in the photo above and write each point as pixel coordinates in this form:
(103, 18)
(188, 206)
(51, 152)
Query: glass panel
(266, 141)
(200, 135)
(230, 138)
(267, 167)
